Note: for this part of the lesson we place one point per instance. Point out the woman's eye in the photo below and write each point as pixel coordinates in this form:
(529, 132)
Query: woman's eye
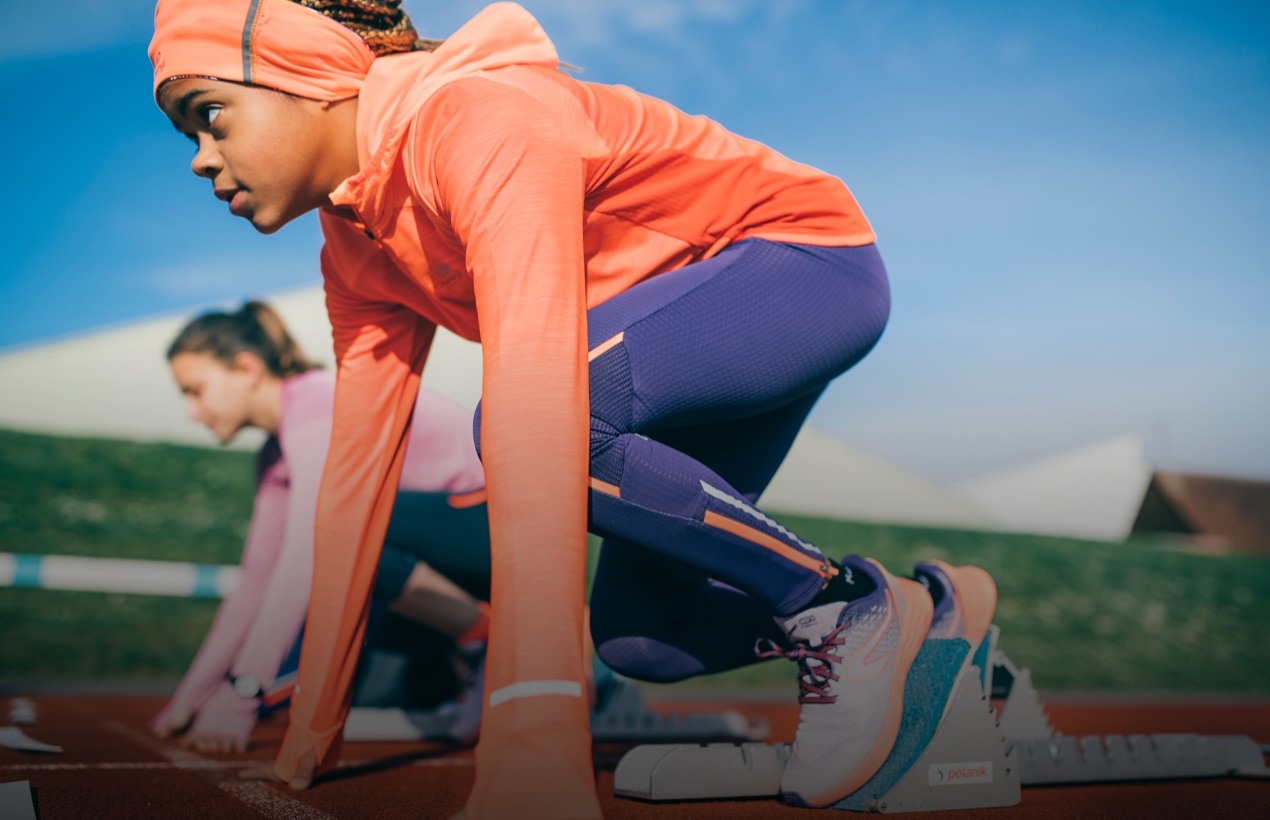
(208, 114)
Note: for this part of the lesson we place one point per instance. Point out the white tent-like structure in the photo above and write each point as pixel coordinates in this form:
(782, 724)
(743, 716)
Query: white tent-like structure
(1091, 492)
(115, 383)
(825, 476)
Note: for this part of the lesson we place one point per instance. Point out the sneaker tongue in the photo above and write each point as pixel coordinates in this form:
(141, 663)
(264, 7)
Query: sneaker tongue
(810, 625)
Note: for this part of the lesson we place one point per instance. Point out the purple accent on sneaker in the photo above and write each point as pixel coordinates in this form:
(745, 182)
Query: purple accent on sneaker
(940, 587)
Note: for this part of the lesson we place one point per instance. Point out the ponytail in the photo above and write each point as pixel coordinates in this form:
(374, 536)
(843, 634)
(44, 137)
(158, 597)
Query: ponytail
(384, 27)
(254, 328)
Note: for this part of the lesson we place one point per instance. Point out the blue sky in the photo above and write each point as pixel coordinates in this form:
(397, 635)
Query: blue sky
(1071, 199)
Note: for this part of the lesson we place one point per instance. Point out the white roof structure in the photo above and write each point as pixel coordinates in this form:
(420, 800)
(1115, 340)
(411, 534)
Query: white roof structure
(115, 383)
(1092, 492)
(825, 476)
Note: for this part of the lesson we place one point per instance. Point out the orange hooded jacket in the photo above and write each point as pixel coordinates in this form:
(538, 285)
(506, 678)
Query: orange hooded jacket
(501, 198)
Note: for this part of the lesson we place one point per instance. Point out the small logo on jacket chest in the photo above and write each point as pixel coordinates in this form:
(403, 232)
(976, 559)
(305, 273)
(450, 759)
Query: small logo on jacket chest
(444, 274)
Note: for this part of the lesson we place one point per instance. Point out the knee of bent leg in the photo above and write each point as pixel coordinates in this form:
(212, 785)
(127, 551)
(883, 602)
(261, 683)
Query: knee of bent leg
(623, 642)
(647, 659)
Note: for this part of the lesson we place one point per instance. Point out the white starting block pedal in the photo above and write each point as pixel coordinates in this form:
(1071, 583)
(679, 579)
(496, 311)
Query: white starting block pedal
(948, 755)
(963, 757)
(620, 714)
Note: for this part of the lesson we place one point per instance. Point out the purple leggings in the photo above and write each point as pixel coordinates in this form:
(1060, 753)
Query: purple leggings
(692, 412)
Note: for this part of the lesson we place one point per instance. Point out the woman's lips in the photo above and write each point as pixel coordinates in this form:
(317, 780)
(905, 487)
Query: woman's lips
(238, 202)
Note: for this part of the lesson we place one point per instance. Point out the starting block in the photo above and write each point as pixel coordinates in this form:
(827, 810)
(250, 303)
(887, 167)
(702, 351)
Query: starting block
(953, 751)
(948, 753)
(620, 714)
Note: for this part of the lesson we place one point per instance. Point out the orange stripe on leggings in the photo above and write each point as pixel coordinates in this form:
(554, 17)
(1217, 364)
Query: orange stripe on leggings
(606, 488)
(605, 347)
(761, 538)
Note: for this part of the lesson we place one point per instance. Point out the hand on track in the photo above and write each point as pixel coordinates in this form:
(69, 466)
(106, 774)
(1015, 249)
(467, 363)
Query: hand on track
(303, 775)
(176, 722)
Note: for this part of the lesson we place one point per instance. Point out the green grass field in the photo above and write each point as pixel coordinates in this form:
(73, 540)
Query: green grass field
(1138, 616)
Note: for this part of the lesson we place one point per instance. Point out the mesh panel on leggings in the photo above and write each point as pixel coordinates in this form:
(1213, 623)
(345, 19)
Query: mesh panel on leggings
(808, 330)
(610, 375)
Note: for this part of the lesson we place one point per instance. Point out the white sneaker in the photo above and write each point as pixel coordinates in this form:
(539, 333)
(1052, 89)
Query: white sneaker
(466, 708)
(853, 660)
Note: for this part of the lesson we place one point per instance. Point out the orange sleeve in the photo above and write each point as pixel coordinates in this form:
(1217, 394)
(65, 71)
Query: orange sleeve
(510, 182)
(380, 348)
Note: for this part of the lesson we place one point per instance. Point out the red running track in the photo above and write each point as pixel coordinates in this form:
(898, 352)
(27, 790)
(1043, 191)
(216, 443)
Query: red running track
(112, 768)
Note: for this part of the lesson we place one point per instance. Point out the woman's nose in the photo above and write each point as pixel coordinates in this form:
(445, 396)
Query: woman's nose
(206, 160)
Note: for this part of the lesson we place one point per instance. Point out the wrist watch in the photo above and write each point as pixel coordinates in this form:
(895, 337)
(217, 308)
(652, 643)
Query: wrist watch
(246, 686)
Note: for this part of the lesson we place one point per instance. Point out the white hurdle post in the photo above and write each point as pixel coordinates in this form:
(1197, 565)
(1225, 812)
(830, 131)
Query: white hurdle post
(120, 575)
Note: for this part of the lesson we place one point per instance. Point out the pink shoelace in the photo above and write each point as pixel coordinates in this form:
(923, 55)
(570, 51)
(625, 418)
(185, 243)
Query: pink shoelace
(813, 681)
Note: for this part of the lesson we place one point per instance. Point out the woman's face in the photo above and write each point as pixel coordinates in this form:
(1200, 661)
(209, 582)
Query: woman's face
(216, 395)
(271, 156)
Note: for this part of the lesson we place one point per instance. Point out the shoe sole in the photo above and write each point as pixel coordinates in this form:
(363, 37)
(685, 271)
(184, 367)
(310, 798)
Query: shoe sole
(976, 596)
(914, 610)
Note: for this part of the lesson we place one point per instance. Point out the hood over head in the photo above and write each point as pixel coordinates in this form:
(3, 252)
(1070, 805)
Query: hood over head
(499, 36)
(277, 44)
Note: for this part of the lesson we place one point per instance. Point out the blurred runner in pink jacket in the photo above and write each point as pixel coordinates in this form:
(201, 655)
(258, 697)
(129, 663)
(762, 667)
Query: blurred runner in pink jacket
(241, 370)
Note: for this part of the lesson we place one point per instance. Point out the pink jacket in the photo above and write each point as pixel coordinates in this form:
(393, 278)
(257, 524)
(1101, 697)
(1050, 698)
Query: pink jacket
(256, 626)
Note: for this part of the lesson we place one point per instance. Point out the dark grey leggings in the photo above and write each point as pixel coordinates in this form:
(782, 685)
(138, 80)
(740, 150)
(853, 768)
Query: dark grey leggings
(424, 527)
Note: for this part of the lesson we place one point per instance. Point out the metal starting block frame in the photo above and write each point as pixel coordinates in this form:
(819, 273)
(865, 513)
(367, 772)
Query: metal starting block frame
(1047, 757)
(975, 758)
(620, 713)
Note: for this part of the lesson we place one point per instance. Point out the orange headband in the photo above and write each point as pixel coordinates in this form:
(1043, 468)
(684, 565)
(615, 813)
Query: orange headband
(278, 44)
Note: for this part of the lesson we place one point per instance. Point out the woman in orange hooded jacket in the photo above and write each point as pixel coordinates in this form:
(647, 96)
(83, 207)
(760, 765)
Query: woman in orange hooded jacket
(660, 302)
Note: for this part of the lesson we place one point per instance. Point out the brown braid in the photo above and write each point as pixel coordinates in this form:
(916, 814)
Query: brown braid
(381, 23)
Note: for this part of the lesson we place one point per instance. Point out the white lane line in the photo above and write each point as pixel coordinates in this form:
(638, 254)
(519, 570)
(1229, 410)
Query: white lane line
(152, 765)
(258, 795)
(211, 765)
(268, 800)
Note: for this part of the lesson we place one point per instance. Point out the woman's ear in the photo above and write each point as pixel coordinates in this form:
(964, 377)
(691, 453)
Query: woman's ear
(250, 365)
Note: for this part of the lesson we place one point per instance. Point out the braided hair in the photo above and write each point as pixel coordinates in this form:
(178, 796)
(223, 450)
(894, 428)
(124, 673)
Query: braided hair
(254, 328)
(380, 23)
